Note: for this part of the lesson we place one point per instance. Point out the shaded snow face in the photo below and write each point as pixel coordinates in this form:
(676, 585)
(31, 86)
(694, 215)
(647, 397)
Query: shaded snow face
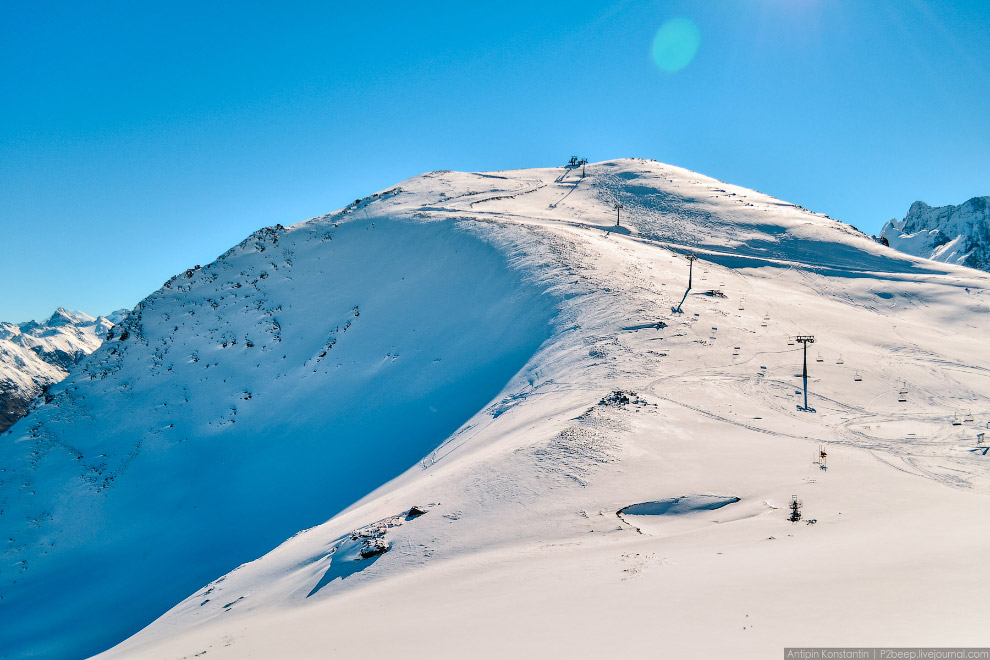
(242, 402)
(678, 505)
(688, 513)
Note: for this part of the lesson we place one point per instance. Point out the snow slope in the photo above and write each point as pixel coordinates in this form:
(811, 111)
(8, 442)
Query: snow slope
(36, 354)
(530, 541)
(522, 550)
(951, 234)
(244, 401)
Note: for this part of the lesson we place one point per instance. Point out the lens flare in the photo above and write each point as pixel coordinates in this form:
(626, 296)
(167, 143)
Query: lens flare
(675, 44)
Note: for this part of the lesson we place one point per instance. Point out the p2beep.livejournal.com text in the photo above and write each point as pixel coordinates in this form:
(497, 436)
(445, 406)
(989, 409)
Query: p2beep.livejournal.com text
(886, 653)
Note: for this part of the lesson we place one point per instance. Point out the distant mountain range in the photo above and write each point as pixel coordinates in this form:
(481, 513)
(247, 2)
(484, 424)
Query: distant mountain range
(951, 234)
(36, 354)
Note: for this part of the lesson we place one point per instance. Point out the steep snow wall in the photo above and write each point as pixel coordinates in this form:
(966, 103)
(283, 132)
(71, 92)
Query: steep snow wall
(242, 402)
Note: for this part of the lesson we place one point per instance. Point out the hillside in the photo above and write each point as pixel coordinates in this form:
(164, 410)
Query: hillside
(242, 402)
(485, 376)
(36, 354)
(951, 234)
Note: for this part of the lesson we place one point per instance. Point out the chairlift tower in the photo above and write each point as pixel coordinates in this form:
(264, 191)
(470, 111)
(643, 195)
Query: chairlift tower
(618, 206)
(691, 259)
(805, 340)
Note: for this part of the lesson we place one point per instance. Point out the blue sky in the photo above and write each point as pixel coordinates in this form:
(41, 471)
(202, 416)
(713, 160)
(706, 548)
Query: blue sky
(138, 139)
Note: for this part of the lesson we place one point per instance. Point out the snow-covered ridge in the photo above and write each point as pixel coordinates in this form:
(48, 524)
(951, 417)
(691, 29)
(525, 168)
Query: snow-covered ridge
(36, 354)
(529, 369)
(650, 393)
(951, 234)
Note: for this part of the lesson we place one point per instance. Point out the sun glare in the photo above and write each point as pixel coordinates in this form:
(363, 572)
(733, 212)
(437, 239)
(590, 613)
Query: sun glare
(675, 44)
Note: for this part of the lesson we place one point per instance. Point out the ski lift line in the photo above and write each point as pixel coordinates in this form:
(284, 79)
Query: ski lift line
(734, 422)
(730, 365)
(840, 404)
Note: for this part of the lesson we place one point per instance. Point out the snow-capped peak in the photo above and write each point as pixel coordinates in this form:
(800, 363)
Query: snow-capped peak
(62, 317)
(951, 234)
(36, 354)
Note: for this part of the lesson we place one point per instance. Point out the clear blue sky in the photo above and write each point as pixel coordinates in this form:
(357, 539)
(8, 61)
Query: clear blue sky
(138, 139)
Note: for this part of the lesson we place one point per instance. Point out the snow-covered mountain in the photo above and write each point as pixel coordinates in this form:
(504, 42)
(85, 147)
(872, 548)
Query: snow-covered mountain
(36, 354)
(951, 234)
(539, 440)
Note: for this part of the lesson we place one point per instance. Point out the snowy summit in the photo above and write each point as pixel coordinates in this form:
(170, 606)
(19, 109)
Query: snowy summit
(951, 234)
(485, 414)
